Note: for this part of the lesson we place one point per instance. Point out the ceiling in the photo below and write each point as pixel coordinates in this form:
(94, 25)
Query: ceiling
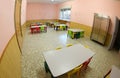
(47, 1)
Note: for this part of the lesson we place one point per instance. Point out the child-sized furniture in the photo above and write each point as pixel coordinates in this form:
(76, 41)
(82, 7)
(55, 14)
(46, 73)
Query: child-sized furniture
(37, 29)
(75, 33)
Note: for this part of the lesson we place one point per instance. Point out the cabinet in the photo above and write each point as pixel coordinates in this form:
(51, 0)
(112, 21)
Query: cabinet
(100, 28)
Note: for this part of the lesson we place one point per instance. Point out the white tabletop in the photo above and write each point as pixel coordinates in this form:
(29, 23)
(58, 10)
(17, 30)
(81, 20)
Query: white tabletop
(38, 26)
(115, 72)
(61, 25)
(76, 30)
(66, 59)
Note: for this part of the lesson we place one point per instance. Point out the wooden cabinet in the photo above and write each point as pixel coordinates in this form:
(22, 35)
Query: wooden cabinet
(100, 28)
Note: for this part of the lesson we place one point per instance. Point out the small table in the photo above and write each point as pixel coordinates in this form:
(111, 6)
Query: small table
(113, 73)
(60, 27)
(75, 33)
(63, 60)
(36, 24)
(38, 28)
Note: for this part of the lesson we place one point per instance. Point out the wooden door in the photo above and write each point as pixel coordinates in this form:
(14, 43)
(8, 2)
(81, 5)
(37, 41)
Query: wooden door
(18, 28)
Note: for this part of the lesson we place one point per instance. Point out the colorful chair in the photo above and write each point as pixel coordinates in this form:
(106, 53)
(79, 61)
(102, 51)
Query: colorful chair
(64, 27)
(85, 64)
(68, 45)
(81, 33)
(86, 46)
(77, 35)
(47, 69)
(75, 70)
(61, 28)
(42, 28)
(38, 29)
(58, 48)
(70, 33)
(45, 29)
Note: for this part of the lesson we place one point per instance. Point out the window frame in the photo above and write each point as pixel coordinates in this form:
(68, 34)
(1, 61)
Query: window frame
(65, 14)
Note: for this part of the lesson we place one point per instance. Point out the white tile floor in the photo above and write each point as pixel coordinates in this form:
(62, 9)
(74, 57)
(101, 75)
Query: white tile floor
(35, 44)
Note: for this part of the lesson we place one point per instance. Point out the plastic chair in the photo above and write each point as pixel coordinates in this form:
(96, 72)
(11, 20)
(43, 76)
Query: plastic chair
(70, 33)
(75, 70)
(47, 69)
(45, 29)
(68, 45)
(64, 28)
(77, 35)
(82, 34)
(61, 27)
(38, 29)
(42, 28)
(86, 46)
(58, 48)
(85, 64)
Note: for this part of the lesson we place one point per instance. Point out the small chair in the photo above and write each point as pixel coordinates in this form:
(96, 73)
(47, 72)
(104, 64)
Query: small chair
(85, 64)
(64, 28)
(68, 45)
(82, 33)
(45, 29)
(58, 48)
(70, 34)
(38, 29)
(46, 67)
(61, 27)
(77, 35)
(42, 29)
(75, 70)
(86, 46)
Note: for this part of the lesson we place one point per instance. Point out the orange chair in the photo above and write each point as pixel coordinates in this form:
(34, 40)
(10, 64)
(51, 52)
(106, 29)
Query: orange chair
(85, 64)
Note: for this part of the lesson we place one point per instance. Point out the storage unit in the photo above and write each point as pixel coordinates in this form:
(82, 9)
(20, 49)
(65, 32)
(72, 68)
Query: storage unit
(100, 28)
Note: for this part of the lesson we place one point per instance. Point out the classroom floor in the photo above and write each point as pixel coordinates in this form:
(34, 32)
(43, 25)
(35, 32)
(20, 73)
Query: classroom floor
(35, 44)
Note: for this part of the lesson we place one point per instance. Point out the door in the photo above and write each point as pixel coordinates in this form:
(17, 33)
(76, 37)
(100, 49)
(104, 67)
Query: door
(17, 16)
(100, 28)
(114, 35)
(96, 27)
(103, 29)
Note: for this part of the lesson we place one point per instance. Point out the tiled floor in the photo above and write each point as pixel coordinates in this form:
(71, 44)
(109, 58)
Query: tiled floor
(35, 44)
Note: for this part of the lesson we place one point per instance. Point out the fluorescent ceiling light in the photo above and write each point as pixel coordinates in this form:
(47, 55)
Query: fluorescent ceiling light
(52, 0)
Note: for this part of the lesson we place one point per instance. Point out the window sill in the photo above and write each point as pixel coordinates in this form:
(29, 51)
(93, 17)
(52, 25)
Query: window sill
(65, 19)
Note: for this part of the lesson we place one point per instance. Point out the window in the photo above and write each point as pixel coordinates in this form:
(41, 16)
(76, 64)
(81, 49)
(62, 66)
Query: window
(65, 14)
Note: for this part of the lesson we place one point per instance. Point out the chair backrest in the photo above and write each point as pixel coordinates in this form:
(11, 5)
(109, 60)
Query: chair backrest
(86, 46)
(61, 27)
(85, 64)
(68, 45)
(42, 28)
(58, 48)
